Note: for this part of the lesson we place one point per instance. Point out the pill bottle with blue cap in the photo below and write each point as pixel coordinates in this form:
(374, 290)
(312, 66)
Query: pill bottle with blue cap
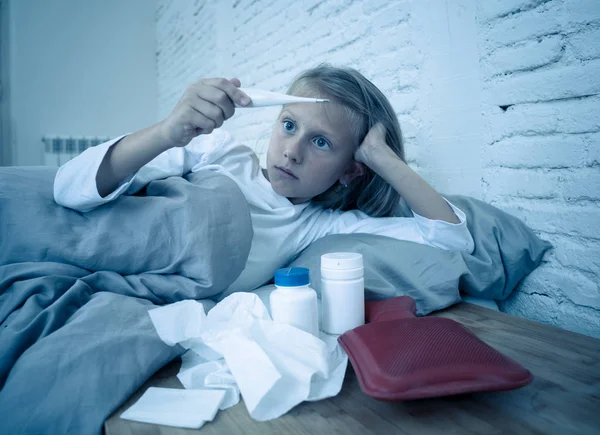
(294, 302)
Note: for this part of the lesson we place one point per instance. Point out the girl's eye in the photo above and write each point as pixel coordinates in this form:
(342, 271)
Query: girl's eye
(322, 143)
(289, 126)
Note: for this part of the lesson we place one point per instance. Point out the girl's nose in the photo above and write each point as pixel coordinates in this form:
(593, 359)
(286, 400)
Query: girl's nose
(293, 150)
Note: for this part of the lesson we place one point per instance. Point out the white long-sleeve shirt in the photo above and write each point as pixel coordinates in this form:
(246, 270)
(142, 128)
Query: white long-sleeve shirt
(281, 229)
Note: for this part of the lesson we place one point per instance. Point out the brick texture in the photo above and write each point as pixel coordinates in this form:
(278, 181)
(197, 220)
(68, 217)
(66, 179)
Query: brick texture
(540, 86)
(497, 99)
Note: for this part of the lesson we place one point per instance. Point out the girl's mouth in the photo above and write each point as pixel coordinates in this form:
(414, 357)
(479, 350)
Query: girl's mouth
(286, 173)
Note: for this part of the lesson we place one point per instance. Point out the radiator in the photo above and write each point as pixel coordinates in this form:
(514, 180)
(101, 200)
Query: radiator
(60, 149)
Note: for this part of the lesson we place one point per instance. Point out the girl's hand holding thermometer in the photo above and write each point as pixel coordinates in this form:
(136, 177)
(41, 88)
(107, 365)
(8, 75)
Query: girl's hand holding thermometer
(204, 106)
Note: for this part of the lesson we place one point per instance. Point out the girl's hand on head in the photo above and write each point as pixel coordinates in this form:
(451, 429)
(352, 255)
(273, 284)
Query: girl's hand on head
(374, 151)
(204, 106)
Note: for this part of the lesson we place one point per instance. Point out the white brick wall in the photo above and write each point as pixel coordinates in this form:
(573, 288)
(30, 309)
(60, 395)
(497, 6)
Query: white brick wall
(541, 153)
(497, 99)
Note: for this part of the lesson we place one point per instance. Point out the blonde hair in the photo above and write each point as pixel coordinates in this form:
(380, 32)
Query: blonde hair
(367, 106)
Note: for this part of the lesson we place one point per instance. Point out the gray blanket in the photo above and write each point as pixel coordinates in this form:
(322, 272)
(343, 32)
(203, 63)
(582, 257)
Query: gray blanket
(75, 288)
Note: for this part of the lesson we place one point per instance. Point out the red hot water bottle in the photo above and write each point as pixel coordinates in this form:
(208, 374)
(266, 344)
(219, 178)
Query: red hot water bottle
(398, 356)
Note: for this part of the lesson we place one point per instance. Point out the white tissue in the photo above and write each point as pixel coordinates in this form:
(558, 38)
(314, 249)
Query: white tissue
(196, 372)
(175, 407)
(239, 348)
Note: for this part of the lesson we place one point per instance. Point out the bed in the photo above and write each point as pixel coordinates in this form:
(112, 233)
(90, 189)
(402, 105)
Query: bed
(75, 288)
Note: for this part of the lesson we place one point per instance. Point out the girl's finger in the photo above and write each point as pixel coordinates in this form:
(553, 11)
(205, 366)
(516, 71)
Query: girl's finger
(200, 123)
(223, 101)
(208, 110)
(230, 89)
(218, 98)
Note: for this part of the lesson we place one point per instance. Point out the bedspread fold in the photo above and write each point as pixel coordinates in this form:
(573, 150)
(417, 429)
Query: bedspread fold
(75, 289)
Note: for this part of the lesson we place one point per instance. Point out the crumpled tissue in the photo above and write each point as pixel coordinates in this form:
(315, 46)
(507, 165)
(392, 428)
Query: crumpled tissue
(239, 348)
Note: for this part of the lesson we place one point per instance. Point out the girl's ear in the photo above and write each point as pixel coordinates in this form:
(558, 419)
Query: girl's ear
(355, 170)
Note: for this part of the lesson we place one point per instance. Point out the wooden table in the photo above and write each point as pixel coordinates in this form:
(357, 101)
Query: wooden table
(564, 397)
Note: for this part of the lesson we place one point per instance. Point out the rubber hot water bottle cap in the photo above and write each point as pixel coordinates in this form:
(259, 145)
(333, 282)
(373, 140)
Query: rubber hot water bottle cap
(398, 356)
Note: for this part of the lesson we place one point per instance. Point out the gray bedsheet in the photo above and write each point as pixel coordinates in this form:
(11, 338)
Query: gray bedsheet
(75, 288)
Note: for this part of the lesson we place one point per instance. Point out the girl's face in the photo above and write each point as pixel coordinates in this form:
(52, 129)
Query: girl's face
(312, 147)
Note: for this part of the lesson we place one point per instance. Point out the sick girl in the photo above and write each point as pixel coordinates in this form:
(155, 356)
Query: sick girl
(332, 168)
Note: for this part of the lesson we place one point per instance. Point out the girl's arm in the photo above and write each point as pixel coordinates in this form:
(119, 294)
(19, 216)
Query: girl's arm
(203, 107)
(127, 156)
(75, 184)
(418, 194)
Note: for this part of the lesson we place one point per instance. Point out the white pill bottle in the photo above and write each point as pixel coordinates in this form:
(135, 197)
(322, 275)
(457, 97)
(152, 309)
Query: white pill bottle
(294, 302)
(342, 292)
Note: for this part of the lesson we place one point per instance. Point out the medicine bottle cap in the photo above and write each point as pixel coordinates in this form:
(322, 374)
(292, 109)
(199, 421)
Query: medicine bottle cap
(292, 276)
(342, 260)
